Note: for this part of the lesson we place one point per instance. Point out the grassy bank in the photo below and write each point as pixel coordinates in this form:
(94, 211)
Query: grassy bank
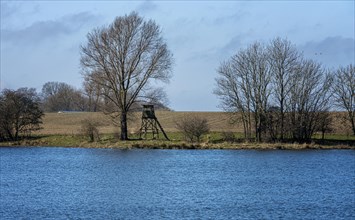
(212, 141)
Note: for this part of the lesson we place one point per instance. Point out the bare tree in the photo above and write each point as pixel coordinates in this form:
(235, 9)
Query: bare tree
(273, 122)
(324, 124)
(20, 113)
(232, 96)
(260, 81)
(344, 91)
(308, 99)
(283, 58)
(93, 93)
(123, 59)
(243, 86)
(89, 129)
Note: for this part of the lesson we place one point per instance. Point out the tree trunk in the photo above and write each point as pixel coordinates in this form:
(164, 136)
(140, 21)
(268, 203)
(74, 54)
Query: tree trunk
(282, 117)
(9, 133)
(353, 125)
(124, 131)
(257, 127)
(323, 135)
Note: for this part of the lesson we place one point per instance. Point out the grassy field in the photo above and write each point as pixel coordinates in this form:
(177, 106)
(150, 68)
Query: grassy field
(70, 123)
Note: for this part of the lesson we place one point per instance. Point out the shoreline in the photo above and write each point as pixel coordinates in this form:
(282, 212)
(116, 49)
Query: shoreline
(176, 145)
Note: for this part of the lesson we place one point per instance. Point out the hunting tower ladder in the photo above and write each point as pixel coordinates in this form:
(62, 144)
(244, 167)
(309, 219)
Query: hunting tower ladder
(150, 123)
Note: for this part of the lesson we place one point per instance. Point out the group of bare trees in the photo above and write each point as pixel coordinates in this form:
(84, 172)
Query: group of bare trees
(279, 94)
(59, 96)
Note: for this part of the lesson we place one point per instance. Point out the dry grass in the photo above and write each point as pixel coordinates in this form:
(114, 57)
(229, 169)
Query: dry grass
(340, 124)
(70, 123)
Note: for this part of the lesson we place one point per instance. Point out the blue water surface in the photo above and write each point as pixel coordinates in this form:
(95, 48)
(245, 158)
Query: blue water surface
(79, 183)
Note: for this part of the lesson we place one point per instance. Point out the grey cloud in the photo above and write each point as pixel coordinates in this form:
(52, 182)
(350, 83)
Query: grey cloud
(331, 51)
(146, 7)
(232, 46)
(225, 52)
(76, 21)
(11, 10)
(7, 9)
(239, 41)
(231, 18)
(47, 30)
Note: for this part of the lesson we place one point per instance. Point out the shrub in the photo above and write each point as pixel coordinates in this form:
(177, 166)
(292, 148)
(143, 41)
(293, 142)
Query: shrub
(193, 127)
(228, 136)
(89, 129)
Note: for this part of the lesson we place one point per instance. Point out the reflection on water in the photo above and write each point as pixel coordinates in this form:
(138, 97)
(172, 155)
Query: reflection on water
(176, 184)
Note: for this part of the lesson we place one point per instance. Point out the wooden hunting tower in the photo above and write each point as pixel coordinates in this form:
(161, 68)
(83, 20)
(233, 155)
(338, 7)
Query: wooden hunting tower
(150, 123)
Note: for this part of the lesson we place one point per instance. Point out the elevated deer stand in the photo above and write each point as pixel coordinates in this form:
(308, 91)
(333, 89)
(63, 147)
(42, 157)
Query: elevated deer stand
(150, 123)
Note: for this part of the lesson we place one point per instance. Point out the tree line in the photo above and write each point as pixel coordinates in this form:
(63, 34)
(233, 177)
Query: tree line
(275, 92)
(59, 96)
(278, 94)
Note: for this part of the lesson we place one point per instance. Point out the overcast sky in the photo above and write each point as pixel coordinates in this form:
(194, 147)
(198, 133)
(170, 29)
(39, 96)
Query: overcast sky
(40, 40)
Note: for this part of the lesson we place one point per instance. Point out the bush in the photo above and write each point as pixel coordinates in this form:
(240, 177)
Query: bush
(89, 129)
(193, 127)
(228, 136)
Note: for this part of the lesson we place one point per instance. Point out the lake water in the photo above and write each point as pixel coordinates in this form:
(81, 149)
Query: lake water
(78, 183)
